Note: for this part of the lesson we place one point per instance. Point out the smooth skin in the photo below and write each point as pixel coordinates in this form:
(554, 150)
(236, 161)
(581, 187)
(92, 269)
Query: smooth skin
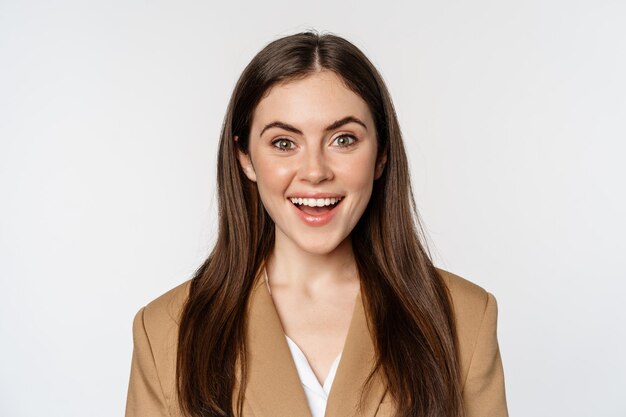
(312, 272)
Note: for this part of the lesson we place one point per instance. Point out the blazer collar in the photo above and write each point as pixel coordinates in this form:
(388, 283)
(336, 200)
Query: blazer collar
(274, 388)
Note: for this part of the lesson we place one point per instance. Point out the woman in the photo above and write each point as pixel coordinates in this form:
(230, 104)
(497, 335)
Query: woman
(318, 278)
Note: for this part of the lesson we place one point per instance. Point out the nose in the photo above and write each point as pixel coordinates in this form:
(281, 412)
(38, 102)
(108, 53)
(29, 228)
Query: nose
(315, 167)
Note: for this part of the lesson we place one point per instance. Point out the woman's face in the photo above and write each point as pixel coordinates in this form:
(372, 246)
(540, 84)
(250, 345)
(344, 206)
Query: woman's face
(313, 139)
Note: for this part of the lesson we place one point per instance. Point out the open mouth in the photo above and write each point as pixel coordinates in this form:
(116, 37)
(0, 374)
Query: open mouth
(316, 207)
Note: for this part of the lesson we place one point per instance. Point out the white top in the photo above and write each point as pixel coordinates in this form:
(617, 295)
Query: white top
(316, 394)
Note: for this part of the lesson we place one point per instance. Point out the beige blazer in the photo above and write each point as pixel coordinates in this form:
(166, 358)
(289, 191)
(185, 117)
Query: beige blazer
(274, 388)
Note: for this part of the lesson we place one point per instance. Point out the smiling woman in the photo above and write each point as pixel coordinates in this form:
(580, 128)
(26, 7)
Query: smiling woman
(319, 297)
(331, 152)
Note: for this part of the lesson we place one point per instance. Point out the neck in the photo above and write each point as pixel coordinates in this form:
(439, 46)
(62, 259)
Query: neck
(291, 268)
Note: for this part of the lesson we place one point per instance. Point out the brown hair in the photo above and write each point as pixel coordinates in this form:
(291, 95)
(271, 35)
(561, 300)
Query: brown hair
(407, 303)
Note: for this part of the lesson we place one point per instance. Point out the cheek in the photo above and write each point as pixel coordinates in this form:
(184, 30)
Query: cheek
(357, 173)
(272, 177)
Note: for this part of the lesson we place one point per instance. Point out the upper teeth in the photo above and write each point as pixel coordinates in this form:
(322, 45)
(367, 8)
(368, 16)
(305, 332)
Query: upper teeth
(315, 202)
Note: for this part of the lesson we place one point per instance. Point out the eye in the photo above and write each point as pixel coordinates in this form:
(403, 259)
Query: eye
(345, 141)
(283, 144)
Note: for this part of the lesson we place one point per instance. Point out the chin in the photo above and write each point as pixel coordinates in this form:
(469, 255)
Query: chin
(313, 241)
(323, 248)
(318, 250)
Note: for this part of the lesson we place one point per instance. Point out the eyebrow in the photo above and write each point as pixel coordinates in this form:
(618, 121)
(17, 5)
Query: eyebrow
(332, 126)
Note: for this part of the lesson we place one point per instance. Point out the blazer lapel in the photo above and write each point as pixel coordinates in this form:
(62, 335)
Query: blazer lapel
(356, 362)
(274, 387)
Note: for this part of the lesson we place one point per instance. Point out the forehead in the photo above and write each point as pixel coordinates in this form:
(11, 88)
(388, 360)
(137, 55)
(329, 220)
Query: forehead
(318, 99)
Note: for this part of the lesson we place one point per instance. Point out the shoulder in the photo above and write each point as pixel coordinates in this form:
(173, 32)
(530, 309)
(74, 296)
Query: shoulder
(467, 297)
(161, 316)
(475, 314)
(155, 336)
(159, 320)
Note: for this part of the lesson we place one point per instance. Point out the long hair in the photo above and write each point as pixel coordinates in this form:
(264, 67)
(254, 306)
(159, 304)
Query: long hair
(407, 304)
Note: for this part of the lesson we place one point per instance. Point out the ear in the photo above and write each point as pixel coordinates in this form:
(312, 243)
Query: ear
(380, 166)
(245, 162)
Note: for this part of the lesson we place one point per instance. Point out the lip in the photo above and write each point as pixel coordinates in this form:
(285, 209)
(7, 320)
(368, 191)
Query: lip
(315, 195)
(316, 220)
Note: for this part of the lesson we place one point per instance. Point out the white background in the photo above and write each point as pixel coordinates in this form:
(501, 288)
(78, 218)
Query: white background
(110, 113)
